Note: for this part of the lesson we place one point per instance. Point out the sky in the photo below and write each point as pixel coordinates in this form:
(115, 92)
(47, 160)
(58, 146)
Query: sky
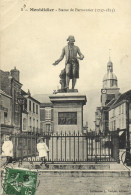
(32, 40)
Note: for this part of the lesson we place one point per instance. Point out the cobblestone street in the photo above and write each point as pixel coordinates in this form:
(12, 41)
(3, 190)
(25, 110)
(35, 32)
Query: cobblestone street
(84, 186)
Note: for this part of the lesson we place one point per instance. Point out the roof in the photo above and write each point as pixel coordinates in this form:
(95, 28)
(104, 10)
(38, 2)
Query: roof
(123, 97)
(43, 105)
(16, 81)
(42, 98)
(29, 96)
(109, 76)
(23, 92)
(110, 63)
(111, 102)
(7, 73)
(5, 94)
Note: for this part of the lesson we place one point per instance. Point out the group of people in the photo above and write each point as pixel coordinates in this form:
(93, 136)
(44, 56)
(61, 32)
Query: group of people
(7, 149)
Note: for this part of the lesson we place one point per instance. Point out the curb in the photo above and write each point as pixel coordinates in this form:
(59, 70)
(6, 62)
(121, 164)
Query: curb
(86, 173)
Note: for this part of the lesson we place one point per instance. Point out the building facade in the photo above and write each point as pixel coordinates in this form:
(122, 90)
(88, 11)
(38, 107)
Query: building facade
(120, 117)
(109, 93)
(5, 115)
(30, 113)
(110, 88)
(11, 86)
(19, 113)
(46, 117)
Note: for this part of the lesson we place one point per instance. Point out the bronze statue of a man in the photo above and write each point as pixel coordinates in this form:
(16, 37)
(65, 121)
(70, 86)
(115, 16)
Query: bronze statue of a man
(71, 64)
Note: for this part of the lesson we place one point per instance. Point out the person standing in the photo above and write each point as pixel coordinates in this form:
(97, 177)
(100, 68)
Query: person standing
(7, 149)
(42, 150)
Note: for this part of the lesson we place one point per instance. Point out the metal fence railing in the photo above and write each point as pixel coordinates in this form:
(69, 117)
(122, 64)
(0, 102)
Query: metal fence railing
(71, 147)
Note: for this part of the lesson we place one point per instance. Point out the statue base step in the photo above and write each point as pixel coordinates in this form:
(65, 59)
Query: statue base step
(67, 91)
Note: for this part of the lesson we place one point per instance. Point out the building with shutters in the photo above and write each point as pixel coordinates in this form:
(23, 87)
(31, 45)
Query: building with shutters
(46, 113)
(120, 117)
(5, 115)
(30, 113)
(11, 86)
(46, 117)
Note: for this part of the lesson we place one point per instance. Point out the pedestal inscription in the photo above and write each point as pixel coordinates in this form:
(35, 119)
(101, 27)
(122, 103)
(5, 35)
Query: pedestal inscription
(67, 118)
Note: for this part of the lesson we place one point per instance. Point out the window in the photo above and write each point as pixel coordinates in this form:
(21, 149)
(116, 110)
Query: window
(17, 119)
(36, 109)
(42, 114)
(15, 96)
(30, 123)
(113, 112)
(48, 127)
(110, 126)
(119, 109)
(33, 124)
(24, 123)
(123, 122)
(120, 123)
(5, 117)
(25, 105)
(122, 108)
(16, 107)
(47, 113)
(29, 105)
(114, 125)
(37, 125)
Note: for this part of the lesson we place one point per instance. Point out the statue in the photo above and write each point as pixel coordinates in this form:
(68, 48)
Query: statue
(63, 79)
(71, 63)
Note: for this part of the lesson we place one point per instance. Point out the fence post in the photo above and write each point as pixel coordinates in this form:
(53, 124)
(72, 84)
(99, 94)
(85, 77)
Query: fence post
(115, 146)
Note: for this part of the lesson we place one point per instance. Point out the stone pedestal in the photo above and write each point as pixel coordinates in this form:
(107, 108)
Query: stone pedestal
(68, 111)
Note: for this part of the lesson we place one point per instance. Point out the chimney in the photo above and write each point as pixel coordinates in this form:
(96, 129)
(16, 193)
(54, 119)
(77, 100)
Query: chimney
(15, 74)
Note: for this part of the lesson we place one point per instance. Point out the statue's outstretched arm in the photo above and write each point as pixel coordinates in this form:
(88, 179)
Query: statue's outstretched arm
(80, 54)
(61, 57)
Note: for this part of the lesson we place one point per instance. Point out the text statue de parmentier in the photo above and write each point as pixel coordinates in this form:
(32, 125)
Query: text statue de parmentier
(71, 70)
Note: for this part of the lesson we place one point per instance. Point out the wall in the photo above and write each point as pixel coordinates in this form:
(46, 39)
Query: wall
(33, 115)
(46, 118)
(130, 117)
(68, 107)
(5, 104)
(5, 82)
(24, 122)
(117, 117)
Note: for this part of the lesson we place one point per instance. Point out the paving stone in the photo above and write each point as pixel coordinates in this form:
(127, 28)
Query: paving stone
(84, 186)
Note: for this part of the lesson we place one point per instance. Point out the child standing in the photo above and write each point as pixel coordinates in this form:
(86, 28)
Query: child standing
(42, 149)
(7, 149)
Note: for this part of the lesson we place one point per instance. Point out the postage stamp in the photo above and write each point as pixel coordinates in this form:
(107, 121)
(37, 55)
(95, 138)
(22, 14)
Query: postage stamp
(19, 181)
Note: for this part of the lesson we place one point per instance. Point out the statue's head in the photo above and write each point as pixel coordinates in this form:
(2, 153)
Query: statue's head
(71, 39)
